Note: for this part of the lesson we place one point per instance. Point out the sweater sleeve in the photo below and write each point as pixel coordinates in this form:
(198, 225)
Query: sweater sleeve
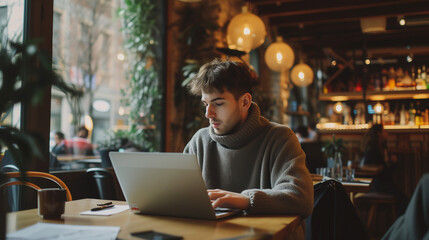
(291, 189)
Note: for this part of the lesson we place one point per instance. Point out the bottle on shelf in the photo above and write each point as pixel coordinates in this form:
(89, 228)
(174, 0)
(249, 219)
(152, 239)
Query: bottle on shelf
(412, 114)
(377, 82)
(403, 116)
(426, 117)
(391, 82)
(384, 78)
(425, 76)
(406, 80)
(399, 74)
(418, 118)
(420, 83)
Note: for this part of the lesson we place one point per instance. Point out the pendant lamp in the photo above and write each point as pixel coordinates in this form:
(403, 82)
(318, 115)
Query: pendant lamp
(245, 32)
(302, 75)
(279, 56)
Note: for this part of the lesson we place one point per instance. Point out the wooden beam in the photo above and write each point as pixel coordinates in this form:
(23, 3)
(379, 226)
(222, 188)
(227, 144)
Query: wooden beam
(293, 8)
(331, 16)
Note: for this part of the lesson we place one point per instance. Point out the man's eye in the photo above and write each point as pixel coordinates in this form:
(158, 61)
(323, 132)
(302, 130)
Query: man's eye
(219, 104)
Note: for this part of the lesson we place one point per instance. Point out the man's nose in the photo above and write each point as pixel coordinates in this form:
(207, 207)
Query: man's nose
(210, 112)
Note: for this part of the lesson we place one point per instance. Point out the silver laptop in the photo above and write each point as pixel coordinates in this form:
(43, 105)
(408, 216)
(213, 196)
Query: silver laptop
(168, 184)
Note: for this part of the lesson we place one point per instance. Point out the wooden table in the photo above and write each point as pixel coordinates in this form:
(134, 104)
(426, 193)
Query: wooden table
(68, 158)
(352, 188)
(278, 227)
(368, 171)
(357, 187)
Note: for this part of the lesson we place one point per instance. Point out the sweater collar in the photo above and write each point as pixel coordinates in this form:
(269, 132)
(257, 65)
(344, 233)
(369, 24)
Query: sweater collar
(251, 127)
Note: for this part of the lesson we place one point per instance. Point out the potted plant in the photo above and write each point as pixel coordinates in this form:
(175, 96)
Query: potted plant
(330, 147)
(114, 140)
(333, 150)
(23, 60)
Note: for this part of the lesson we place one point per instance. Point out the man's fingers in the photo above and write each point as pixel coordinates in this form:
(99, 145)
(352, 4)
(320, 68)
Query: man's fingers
(215, 195)
(218, 202)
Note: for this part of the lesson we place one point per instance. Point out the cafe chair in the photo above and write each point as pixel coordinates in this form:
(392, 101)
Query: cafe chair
(376, 202)
(31, 174)
(101, 183)
(13, 192)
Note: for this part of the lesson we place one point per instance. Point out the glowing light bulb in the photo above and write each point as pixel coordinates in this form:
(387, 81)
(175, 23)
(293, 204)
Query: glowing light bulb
(246, 31)
(279, 57)
(378, 108)
(338, 107)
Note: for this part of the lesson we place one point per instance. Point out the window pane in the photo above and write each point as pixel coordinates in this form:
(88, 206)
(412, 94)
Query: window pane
(86, 42)
(11, 29)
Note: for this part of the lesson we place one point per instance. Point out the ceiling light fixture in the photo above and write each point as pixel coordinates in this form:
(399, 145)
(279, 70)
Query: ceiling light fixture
(401, 21)
(245, 32)
(302, 75)
(279, 56)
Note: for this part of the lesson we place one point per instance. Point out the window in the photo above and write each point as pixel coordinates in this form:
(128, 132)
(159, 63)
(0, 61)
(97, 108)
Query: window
(87, 58)
(105, 53)
(56, 40)
(11, 29)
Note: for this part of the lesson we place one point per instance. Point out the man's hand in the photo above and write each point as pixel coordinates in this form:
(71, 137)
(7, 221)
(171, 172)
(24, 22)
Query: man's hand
(225, 199)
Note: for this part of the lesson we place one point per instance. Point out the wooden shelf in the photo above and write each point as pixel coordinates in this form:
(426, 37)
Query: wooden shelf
(301, 113)
(339, 128)
(375, 95)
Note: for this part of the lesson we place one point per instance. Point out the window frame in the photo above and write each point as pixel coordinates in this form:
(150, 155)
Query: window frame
(38, 19)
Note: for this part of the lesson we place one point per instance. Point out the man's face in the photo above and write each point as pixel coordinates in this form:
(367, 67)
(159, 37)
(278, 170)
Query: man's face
(223, 111)
(57, 139)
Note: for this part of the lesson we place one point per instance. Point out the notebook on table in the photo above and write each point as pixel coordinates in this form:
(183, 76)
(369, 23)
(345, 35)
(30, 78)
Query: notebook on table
(168, 184)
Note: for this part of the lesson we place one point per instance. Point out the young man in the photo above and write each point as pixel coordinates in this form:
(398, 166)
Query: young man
(249, 162)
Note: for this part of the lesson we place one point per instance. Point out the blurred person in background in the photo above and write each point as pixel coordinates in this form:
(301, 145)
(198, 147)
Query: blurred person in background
(80, 145)
(376, 154)
(60, 147)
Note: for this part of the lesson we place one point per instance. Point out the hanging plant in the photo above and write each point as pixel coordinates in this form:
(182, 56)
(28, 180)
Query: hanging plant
(143, 96)
(196, 25)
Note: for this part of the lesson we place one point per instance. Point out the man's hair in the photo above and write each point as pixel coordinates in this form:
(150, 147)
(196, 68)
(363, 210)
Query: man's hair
(218, 75)
(84, 131)
(60, 135)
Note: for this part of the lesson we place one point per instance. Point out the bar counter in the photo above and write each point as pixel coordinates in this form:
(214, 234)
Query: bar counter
(410, 143)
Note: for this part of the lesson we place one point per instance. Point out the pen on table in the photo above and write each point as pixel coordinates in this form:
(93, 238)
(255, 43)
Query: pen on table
(104, 204)
(102, 207)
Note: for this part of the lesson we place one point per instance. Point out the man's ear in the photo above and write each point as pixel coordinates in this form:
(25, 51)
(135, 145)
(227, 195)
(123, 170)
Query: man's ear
(247, 101)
